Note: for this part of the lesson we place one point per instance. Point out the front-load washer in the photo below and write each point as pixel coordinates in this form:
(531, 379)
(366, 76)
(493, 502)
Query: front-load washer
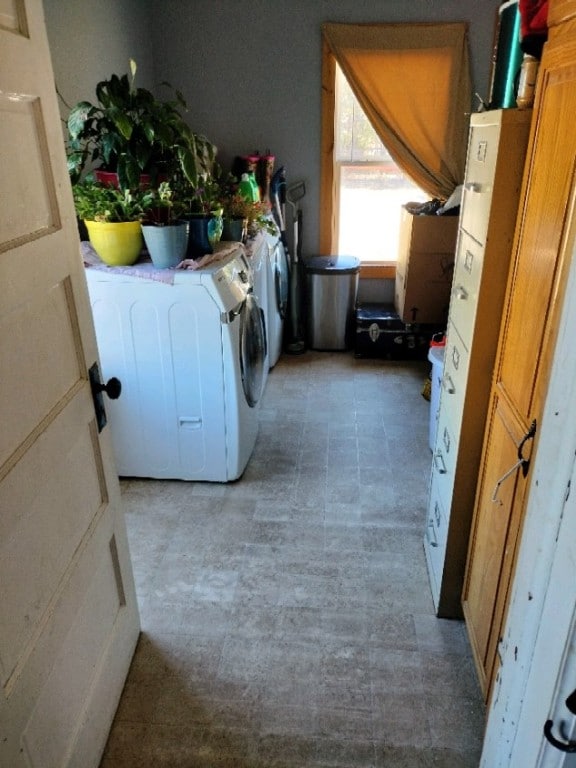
(188, 348)
(257, 253)
(278, 282)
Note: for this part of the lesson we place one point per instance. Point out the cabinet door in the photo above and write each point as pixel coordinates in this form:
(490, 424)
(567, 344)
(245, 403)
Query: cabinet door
(522, 366)
(491, 547)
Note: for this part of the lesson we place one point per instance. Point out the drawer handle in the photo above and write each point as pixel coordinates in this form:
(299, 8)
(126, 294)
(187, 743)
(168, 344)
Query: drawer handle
(446, 439)
(455, 357)
(190, 422)
(449, 385)
(439, 463)
(461, 292)
(433, 541)
(473, 186)
(437, 513)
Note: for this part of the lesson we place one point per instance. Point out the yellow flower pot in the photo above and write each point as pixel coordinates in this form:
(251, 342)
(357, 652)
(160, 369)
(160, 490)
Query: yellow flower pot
(117, 243)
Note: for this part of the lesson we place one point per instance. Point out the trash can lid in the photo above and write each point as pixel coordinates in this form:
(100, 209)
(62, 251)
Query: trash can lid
(342, 265)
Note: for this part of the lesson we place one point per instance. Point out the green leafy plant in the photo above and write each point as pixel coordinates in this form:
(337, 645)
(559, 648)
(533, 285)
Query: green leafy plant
(164, 208)
(101, 202)
(205, 196)
(260, 219)
(131, 132)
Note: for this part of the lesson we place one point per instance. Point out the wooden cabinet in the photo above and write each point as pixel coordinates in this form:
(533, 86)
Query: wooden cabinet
(496, 154)
(521, 372)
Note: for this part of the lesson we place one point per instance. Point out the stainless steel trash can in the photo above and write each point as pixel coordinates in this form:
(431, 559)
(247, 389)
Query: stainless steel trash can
(331, 288)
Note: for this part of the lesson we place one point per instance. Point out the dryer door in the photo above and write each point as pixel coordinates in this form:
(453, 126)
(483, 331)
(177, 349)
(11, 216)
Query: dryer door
(252, 350)
(281, 280)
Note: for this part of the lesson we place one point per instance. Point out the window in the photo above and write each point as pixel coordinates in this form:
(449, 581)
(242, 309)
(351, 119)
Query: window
(370, 188)
(423, 120)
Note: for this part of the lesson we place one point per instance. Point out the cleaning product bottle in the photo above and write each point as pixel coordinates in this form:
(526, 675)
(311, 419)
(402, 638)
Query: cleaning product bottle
(255, 187)
(248, 188)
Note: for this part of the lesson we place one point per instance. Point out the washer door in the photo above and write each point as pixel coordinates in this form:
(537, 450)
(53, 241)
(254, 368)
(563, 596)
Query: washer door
(252, 350)
(281, 280)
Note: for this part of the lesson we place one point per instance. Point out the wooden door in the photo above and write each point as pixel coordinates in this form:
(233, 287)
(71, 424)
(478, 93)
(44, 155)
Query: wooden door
(69, 617)
(523, 360)
(550, 537)
(538, 669)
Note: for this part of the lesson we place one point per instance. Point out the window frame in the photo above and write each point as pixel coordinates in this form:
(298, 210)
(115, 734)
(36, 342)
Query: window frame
(328, 189)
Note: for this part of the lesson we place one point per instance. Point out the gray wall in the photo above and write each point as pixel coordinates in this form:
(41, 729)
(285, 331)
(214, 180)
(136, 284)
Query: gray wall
(249, 69)
(89, 41)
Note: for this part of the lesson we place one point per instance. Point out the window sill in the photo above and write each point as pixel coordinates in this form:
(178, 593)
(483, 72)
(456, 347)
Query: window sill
(382, 270)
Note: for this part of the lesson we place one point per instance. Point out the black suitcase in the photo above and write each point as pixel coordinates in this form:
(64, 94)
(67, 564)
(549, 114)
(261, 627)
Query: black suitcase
(380, 333)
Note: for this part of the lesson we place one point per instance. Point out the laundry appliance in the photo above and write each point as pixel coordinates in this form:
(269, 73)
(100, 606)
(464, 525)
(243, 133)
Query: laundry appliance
(278, 287)
(188, 347)
(258, 259)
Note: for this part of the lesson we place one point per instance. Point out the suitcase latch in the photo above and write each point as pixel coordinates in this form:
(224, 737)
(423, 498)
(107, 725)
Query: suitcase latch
(374, 331)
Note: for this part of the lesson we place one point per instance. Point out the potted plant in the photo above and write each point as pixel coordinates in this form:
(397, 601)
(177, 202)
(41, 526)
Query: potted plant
(203, 211)
(246, 217)
(112, 217)
(243, 217)
(129, 132)
(165, 231)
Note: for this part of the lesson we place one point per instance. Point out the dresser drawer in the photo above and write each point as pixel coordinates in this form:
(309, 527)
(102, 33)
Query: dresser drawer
(476, 204)
(444, 460)
(455, 377)
(483, 144)
(479, 182)
(465, 286)
(435, 540)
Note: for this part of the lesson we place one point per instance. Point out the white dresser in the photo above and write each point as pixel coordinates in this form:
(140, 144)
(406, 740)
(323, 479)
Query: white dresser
(495, 163)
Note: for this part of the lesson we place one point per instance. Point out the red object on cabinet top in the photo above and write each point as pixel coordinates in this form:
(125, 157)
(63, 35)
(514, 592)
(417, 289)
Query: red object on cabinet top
(533, 17)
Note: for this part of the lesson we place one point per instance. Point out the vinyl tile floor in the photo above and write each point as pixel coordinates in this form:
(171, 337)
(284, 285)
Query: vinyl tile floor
(287, 620)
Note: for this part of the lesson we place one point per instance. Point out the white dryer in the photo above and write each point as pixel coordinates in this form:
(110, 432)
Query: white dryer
(190, 356)
(278, 286)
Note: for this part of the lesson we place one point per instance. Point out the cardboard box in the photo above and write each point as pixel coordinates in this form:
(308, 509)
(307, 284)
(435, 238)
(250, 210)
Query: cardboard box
(425, 267)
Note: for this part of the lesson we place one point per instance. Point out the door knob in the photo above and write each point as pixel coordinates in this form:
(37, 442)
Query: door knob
(563, 746)
(571, 702)
(113, 388)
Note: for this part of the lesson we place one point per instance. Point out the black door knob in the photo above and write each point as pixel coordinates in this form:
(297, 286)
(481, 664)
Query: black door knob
(113, 388)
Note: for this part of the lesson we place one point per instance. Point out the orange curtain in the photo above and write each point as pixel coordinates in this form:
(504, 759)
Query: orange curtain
(413, 83)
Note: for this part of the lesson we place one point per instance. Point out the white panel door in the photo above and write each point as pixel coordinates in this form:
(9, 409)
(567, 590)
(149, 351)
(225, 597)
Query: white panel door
(69, 618)
(538, 649)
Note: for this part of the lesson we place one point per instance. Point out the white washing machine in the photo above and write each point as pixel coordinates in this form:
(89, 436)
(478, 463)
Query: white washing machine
(190, 356)
(278, 282)
(257, 252)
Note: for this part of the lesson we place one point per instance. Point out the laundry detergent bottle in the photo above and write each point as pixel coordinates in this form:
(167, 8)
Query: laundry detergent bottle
(248, 188)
